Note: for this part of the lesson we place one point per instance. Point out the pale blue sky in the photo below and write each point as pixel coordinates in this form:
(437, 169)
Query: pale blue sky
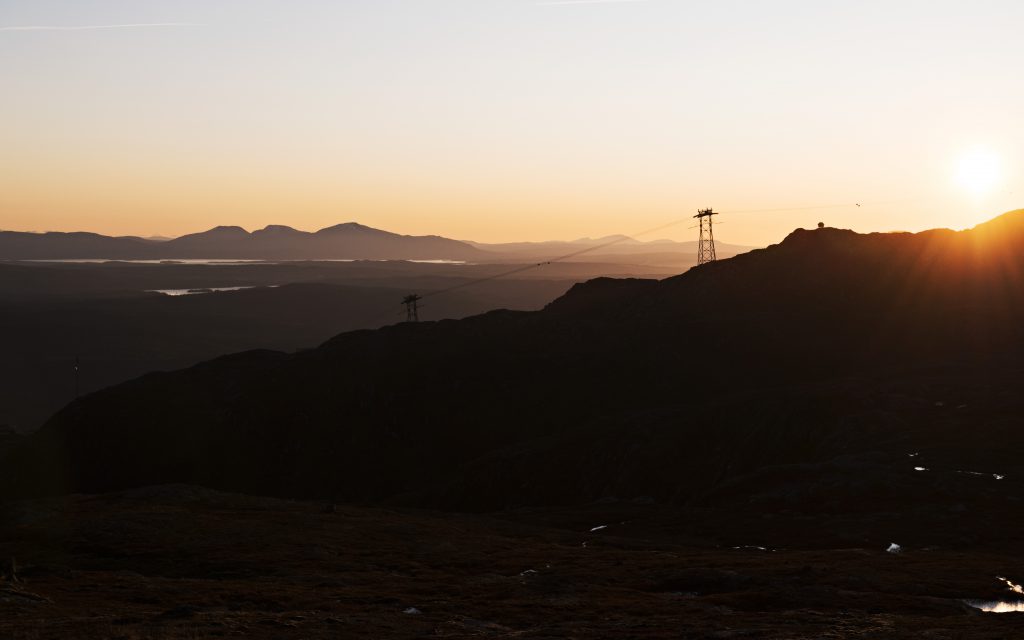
(506, 119)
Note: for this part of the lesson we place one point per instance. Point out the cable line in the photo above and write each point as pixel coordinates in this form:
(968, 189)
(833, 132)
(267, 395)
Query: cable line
(585, 250)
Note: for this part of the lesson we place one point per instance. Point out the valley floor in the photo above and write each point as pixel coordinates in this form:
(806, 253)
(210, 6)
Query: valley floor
(184, 562)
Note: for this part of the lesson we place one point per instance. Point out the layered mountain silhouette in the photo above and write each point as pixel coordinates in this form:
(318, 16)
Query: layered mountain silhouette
(616, 248)
(803, 373)
(349, 241)
(19, 245)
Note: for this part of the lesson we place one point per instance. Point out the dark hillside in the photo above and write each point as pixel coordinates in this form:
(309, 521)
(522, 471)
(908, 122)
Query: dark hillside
(828, 358)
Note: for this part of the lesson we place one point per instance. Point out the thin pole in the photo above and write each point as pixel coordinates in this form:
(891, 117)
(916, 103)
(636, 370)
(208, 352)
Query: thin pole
(412, 309)
(706, 245)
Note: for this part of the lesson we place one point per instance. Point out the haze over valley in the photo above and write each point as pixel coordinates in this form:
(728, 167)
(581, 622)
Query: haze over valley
(104, 302)
(533, 319)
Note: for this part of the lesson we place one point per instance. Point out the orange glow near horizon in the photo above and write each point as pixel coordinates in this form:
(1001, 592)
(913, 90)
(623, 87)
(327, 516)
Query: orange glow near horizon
(501, 122)
(486, 213)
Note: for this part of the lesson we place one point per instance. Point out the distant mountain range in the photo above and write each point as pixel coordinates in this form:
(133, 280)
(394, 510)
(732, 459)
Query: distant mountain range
(813, 375)
(348, 241)
(616, 248)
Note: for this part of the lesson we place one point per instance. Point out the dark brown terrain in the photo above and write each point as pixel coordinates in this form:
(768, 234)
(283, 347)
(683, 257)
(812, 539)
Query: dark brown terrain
(183, 562)
(108, 315)
(730, 452)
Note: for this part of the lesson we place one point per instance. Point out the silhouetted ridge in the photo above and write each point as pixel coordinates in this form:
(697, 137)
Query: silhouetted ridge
(593, 294)
(798, 354)
(16, 245)
(349, 241)
(353, 227)
(278, 229)
(227, 230)
(1011, 221)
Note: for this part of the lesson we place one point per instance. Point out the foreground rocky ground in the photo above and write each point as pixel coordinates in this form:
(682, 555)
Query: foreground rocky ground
(184, 562)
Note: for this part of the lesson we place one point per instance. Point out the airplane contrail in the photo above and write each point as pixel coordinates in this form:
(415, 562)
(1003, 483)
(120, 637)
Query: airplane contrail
(92, 27)
(557, 2)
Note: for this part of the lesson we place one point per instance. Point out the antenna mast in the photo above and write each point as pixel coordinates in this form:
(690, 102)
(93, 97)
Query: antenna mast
(706, 246)
(412, 307)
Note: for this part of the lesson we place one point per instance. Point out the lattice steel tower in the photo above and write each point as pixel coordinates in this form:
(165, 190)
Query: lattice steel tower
(706, 246)
(412, 308)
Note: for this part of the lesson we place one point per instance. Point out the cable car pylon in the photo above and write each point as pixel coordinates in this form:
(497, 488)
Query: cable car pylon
(412, 312)
(706, 245)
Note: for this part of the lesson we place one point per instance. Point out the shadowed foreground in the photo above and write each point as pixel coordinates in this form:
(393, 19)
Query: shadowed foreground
(185, 562)
(608, 467)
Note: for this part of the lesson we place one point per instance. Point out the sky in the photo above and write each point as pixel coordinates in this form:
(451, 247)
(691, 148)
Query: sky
(510, 120)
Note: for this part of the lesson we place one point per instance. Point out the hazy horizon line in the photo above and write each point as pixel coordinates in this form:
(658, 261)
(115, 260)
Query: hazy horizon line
(92, 27)
(163, 237)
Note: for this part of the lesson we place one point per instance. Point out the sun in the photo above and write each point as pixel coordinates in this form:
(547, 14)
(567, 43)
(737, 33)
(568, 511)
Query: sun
(978, 171)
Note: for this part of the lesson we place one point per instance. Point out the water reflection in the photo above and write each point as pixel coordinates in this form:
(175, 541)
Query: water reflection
(998, 606)
(170, 261)
(1001, 606)
(997, 476)
(192, 292)
(231, 261)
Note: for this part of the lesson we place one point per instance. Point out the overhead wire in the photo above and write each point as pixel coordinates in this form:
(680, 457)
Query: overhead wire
(617, 240)
(604, 245)
(567, 256)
